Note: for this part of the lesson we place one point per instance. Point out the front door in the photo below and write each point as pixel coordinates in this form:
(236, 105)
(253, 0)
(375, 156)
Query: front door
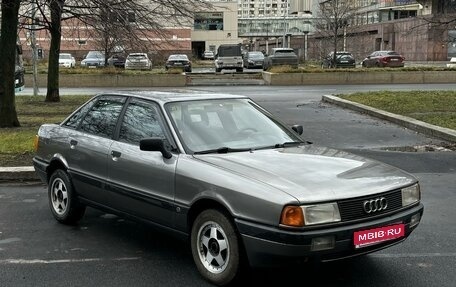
(142, 182)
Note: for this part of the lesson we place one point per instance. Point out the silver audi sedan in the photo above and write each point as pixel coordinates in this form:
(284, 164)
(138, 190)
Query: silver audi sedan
(222, 172)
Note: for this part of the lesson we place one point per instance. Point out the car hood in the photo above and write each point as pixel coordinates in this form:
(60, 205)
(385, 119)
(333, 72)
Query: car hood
(313, 174)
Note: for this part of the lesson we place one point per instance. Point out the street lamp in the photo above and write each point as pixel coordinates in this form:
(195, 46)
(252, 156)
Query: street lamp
(305, 30)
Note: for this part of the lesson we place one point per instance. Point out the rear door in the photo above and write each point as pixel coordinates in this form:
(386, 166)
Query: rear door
(89, 147)
(141, 183)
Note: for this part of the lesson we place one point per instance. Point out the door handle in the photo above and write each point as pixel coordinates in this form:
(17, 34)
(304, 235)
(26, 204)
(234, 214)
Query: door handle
(73, 143)
(115, 154)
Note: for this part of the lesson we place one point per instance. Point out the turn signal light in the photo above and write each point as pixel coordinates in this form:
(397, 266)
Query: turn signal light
(292, 216)
(36, 142)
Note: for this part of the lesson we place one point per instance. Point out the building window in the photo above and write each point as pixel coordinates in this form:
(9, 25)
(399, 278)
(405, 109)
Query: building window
(208, 21)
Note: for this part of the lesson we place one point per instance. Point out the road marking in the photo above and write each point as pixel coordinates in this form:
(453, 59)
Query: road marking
(9, 240)
(413, 255)
(59, 261)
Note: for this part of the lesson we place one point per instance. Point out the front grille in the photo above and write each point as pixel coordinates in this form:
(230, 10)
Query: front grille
(352, 209)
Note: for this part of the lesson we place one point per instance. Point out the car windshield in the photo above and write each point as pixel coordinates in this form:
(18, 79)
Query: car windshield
(177, 57)
(94, 54)
(137, 56)
(258, 55)
(226, 125)
(65, 56)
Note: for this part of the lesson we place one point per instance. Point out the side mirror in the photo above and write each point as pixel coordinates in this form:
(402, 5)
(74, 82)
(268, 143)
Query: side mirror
(155, 144)
(298, 129)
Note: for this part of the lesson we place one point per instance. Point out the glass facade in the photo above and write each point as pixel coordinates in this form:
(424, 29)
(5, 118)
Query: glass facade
(208, 21)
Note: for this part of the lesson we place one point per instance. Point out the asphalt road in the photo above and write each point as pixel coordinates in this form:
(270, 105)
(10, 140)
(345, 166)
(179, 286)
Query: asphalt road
(108, 251)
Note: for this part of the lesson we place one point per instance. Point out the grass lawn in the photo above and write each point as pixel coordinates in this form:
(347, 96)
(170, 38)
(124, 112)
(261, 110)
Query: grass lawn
(16, 144)
(434, 107)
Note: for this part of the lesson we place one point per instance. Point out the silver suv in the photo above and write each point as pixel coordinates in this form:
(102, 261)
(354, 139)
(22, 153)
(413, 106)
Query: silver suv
(229, 56)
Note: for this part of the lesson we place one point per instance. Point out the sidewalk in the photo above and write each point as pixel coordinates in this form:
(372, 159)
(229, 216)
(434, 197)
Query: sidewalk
(28, 173)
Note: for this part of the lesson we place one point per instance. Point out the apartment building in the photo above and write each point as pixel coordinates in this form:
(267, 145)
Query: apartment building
(407, 26)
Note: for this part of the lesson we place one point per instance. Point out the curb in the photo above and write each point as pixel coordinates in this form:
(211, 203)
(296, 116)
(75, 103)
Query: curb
(410, 123)
(18, 173)
(28, 172)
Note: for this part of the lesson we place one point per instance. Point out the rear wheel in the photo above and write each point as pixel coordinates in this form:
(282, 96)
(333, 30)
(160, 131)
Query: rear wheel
(62, 199)
(216, 247)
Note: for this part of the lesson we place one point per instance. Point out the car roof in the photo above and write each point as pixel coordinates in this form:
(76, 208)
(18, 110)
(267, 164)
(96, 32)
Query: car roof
(168, 97)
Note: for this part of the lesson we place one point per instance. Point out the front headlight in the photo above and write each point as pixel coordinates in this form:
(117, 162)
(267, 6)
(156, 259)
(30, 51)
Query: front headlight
(321, 213)
(411, 194)
(299, 216)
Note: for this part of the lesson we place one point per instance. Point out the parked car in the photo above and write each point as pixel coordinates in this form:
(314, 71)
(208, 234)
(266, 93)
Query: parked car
(280, 57)
(117, 61)
(66, 60)
(384, 59)
(253, 60)
(224, 173)
(452, 63)
(343, 60)
(179, 61)
(208, 55)
(138, 61)
(94, 59)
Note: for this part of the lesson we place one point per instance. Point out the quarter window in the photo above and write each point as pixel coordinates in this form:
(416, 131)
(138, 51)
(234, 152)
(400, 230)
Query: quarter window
(141, 121)
(75, 119)
(101, 120)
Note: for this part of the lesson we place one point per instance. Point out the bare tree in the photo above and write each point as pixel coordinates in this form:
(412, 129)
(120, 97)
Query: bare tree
(8, 39)
(333, 19)
(107, 19)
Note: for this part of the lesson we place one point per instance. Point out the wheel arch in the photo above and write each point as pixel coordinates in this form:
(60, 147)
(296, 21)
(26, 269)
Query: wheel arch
(57, 162)
(203, 204)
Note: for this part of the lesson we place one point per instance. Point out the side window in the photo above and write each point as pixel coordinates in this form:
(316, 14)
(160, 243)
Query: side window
(75, 119)
(101, 120)
(141, 120)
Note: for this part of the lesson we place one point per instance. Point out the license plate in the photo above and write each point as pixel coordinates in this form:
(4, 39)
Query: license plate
(377, 235)
(344, 61)
(394, 60)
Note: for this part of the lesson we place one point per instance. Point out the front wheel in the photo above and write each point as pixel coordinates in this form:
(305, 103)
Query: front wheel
(62, 199)
(215, 247)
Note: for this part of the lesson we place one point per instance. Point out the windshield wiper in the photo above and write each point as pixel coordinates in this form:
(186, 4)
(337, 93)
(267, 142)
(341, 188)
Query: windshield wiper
(222, 150)
(288, 144)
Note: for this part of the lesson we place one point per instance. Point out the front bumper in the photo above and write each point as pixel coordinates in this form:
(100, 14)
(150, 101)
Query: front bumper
(272, 247)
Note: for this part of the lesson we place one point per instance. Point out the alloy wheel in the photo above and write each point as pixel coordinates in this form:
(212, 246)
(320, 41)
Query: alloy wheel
(213, 247)
(59, 196)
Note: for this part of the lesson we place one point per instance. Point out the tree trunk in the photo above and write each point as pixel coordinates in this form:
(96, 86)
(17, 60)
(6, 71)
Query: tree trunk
(55, 29)
(8, 50)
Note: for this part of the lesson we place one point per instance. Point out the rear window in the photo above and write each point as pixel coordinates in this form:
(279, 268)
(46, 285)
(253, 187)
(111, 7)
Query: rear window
(229, 51)
(392, 53)
(284, 52)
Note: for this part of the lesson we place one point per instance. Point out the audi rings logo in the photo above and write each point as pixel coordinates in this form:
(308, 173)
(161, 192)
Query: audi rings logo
(375, 205)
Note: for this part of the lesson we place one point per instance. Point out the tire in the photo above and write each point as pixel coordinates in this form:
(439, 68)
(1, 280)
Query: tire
(62, 199)
(239, 70)
(218, 70)
(213, 236)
